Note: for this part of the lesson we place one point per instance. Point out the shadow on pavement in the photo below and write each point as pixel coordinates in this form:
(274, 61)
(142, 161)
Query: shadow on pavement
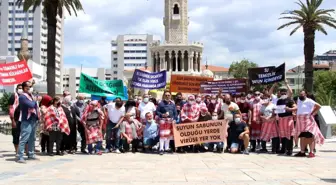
(327, 151)
(329, 180)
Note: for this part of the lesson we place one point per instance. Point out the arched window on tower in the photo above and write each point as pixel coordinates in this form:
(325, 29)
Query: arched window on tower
(176, 10)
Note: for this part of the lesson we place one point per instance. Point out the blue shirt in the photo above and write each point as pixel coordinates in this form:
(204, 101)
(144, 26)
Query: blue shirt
(151, 130)
(25, 105)
(165, 107)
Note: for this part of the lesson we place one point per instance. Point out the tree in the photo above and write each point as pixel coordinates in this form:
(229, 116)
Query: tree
(52, 8)
(325, 87)
(240, 69)
(4, 100)
(311, 19)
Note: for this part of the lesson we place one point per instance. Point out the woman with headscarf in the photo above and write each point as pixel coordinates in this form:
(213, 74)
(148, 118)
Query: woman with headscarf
(69, 142)
(93, 119)
(56, 123)
(44, 104)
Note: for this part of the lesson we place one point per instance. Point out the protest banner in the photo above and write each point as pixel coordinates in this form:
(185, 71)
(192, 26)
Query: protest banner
(200, 132)
(146, 80)
(266, 75)
(232, 86)
(14, 73)
(187, 84)
(90, 85)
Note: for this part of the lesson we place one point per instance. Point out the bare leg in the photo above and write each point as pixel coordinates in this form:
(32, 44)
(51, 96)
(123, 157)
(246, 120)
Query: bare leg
(311, 143)
(246, 140)
(303, 144)
(296, 141)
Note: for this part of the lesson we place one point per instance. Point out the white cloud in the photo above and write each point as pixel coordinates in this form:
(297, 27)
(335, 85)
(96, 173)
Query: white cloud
(230, 29)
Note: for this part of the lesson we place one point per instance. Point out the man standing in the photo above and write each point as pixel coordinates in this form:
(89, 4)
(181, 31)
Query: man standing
(116, 113)
(13, 105)
(69, 141)
(146, 106)
(80, 106)
(29, 117)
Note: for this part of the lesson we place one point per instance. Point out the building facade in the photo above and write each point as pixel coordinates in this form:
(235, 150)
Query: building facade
(13, 20)
(130, 52)
(71, 77)
(176, 54)
(326, 58)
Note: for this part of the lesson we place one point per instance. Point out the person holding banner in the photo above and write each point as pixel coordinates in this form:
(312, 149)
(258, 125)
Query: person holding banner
(29, 116)
(166, 114)
(268, 127)
(284, 109)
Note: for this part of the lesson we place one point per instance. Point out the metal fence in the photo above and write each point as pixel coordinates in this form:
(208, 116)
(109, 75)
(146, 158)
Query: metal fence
(5, 127)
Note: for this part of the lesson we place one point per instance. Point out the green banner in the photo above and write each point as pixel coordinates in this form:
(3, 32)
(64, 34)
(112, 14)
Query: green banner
(90, 85)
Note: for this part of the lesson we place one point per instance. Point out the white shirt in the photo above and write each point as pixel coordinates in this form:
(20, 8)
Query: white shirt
(274, 99)
(132, 111)
(227, 113)
(146, 107)
(113, 113)
(267, 110)
(305, 107)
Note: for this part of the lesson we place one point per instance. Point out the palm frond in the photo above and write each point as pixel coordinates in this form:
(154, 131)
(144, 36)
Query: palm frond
(324, 12)
(295, 29)
(329, 24)
(289, 24)
(320, 28)
(292, 17)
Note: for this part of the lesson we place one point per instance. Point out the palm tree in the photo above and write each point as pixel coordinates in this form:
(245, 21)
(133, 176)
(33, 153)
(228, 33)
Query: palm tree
(52, 8)
(311, 19)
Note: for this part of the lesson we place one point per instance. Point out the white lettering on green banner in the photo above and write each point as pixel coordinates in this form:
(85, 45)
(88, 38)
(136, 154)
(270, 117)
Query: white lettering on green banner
(90, 85)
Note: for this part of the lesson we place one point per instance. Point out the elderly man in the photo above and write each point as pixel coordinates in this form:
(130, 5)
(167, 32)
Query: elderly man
(80, 106)
(128, 133)
(146, 106)
(151, 130)
(69, 142)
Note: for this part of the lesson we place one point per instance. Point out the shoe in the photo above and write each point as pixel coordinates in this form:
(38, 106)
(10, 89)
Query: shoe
(107, 150)
(296, 146)
(300, 154)
(161, 152)
(84, 152)
(59, 153)
(252, 150)
(311, 155)
(246, 152)
(22, 161)
(117, 151)
(289, 153)
(263, 151)
(282, 151)
(33, 158)
(99, 153)
(51, 154)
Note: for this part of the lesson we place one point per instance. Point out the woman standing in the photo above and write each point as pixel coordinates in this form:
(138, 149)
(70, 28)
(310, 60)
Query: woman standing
(44, 104)
(56, 123)
(93, 119)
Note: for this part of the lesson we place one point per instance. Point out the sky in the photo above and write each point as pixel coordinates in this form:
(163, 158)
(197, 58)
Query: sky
(231, 30)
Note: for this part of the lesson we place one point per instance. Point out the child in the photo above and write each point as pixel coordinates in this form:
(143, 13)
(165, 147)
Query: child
(166, 134)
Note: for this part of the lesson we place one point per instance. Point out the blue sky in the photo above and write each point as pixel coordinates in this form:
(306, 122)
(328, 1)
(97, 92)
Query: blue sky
(231, 30)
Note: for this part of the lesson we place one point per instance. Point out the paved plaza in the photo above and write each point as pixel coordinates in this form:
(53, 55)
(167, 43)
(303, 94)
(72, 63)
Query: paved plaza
(170, 169)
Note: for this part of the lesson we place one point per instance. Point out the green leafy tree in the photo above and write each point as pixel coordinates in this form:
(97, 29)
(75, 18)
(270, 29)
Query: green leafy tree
(4, 102)
(311, 18)
(240, 69)
(325, 87)
(51, 9)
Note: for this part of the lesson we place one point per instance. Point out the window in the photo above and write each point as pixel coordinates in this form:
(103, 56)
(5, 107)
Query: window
(10, 4)
(176, 10)
(115, 78)
(114, 52)
(114, 44)
(135, 44)
(115, 72)
(115, 59)
(108, 78)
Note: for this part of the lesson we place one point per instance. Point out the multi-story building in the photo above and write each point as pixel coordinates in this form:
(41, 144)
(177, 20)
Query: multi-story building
(130, 52)
(12, 22)
(71, 77)
(326, 58)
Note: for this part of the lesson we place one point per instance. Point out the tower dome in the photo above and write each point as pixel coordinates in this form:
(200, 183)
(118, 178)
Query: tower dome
(206, 72)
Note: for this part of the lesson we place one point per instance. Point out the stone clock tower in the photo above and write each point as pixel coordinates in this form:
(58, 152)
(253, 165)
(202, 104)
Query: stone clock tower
(176, 21)
(176, 54)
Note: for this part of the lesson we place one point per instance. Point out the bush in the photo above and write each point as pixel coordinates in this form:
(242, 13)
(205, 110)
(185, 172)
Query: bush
(4, 102)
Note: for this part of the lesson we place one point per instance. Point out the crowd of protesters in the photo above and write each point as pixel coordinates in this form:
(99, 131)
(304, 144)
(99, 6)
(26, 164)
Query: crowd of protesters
(145, 123)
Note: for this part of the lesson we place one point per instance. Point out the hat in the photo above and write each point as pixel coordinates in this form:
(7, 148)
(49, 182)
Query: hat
(46, 99)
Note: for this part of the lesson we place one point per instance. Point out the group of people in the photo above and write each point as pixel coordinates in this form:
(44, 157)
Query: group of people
(146, 123)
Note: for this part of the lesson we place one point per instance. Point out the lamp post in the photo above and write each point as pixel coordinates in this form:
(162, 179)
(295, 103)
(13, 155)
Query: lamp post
(298, 78)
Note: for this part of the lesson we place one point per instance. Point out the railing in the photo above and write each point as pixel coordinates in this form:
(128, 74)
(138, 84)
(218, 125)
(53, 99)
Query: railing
(5, 127)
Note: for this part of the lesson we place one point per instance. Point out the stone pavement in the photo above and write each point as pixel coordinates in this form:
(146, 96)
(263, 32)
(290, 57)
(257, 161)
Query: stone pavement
(170, 169)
